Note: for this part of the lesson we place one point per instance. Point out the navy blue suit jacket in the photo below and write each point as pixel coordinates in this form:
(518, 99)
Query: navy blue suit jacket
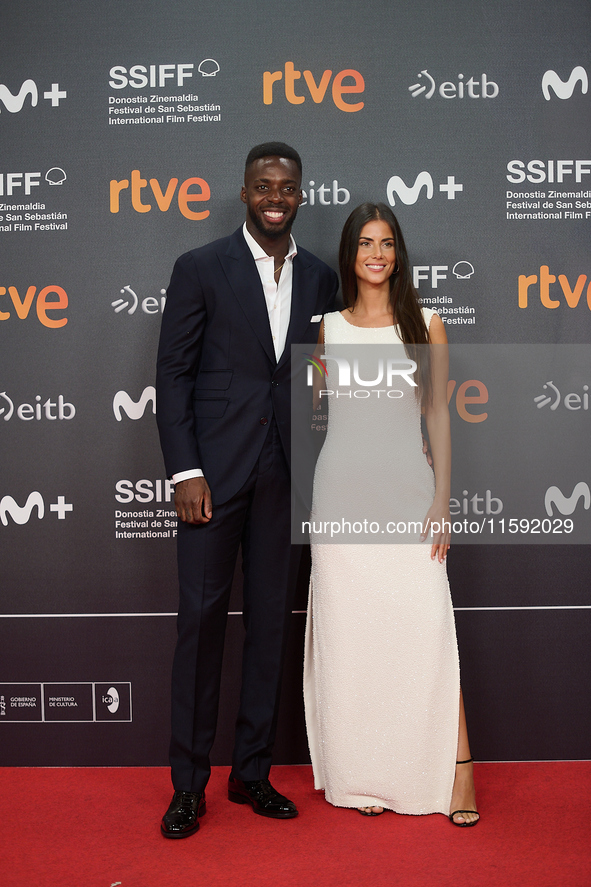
(217, 374)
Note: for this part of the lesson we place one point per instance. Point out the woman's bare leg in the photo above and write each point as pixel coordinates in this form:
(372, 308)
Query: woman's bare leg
(463, 795)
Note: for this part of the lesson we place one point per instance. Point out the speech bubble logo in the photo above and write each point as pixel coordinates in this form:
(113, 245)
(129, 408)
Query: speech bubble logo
(208, 68)
(463, 270)
(55, 176)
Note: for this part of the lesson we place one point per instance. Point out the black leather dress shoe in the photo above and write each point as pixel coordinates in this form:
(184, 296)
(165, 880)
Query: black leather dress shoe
(262, 797)
(182, 817)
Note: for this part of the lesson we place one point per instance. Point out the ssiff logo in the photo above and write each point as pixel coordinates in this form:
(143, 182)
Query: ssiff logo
(15, 102)
(29, 180)
(410, 194)
(462, 270)
(140, 76)
(564, 89)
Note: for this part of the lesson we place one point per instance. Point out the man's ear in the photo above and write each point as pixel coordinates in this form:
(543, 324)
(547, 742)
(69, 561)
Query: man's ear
(243, 194)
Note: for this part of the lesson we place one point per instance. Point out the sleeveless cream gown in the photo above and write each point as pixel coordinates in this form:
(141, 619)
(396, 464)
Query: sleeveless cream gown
(381, 671)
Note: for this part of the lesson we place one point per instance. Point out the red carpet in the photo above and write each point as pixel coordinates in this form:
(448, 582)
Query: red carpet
(100, 827)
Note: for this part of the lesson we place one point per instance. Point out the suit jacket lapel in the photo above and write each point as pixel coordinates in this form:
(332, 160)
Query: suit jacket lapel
(303, 300)
(243, 277)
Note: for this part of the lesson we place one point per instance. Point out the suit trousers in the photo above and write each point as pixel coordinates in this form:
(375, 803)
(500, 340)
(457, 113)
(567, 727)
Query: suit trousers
(258, 519)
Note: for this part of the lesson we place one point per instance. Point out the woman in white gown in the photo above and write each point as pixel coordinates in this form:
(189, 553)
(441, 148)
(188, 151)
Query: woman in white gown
(384, 710)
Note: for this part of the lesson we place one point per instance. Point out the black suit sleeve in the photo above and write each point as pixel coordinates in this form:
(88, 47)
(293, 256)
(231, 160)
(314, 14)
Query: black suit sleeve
(181, 336)
(331, 292)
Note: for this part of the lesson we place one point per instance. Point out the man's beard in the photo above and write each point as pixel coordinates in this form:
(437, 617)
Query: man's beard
(272, 232)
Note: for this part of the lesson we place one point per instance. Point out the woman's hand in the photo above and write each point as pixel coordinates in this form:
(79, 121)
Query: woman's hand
(438, 521)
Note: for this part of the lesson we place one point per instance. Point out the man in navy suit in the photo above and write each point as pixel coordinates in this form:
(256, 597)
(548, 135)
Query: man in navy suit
(233, 310)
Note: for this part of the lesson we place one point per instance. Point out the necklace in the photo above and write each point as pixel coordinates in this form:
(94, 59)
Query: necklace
(277, 270)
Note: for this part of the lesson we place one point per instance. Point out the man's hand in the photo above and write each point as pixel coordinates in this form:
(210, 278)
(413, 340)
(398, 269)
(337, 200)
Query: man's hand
(192, 500)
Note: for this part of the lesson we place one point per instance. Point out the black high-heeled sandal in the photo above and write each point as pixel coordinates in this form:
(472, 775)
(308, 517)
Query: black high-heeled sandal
(370, 812)
(455, 812)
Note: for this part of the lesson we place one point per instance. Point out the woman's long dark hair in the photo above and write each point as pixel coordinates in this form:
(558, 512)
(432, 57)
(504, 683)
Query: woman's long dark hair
(404, 299)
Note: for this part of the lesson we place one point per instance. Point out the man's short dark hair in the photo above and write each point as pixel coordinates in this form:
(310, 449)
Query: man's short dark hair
(273, 149)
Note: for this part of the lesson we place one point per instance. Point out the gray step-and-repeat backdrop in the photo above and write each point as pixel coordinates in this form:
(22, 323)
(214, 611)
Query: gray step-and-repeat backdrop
(124, 130)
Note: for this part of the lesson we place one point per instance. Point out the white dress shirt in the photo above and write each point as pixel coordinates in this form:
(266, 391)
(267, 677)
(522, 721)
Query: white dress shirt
(278, 299)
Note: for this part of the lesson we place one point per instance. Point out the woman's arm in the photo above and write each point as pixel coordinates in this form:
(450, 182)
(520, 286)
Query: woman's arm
(319, 383)
(438, 427)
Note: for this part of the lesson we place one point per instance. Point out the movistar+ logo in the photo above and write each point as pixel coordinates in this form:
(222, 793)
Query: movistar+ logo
(564, 89)
(14, 102)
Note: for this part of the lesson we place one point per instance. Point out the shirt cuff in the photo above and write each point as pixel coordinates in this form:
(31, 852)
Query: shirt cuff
(185, 475)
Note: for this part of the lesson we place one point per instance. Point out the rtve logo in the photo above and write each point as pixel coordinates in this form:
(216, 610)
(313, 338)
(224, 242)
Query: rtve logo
(317, 91)
(122, 402)
(38, 411)
(564, 89)
(448, 90)
(463, 400)
(21, 514)
(409, 195)
(45, 302)
(572, 295)
(567, 504)
(15, 102)
(184, 197)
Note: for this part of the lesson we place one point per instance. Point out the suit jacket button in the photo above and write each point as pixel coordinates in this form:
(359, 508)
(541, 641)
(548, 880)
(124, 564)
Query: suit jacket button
(264, 420)
(275, 384)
